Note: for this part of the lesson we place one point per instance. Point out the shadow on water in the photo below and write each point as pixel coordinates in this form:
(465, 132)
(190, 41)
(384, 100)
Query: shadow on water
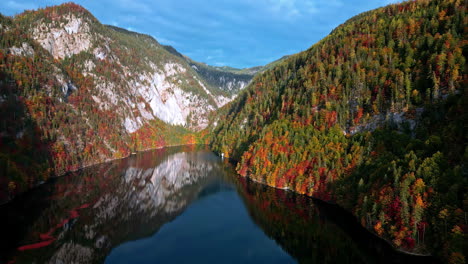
(82, 217)
(313, 231)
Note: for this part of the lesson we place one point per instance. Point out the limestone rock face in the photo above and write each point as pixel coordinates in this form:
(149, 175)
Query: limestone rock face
(66, 38)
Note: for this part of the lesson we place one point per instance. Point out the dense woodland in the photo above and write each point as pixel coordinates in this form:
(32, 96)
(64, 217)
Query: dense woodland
(313, 231)
(374, 118)
(50, 123)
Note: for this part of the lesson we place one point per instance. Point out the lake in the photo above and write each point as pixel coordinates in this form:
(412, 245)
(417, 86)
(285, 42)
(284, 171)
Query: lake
(180, 205)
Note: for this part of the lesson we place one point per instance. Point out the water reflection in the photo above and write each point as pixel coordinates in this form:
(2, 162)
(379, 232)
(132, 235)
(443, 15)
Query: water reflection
(316, 232)
(82, 217)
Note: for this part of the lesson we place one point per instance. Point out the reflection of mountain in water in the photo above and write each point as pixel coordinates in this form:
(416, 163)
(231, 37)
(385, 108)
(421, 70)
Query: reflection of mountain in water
(108, 205)
(80, 218)
(315, 232)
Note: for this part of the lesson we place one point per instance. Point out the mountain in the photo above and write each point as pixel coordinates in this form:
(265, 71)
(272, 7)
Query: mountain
(75, 92)
(372, 117)
(228, 79)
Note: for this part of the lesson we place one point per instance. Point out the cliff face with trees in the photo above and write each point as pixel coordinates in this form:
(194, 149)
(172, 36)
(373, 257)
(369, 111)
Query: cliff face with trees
(74, 92)
(374, 118)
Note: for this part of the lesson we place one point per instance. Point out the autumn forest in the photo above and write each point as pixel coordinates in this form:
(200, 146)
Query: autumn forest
(372, 118)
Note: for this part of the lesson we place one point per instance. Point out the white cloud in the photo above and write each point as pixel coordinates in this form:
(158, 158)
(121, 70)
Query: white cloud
(165, 41)
(219, 63)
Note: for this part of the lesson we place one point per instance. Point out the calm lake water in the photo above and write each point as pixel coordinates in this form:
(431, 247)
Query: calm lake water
(179, 205)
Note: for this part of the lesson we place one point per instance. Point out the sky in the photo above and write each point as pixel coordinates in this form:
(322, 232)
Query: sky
(236, 33)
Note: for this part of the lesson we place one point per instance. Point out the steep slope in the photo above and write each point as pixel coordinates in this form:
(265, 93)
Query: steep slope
(225, 79)
(123, 63)
(372, 117)
(74, 92)
(271, 65)
(229, 80)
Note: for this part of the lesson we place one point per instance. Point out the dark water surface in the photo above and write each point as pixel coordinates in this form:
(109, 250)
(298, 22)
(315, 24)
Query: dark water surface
(179, 205)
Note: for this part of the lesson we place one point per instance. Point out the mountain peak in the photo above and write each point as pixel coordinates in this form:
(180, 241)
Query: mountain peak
(55, 13)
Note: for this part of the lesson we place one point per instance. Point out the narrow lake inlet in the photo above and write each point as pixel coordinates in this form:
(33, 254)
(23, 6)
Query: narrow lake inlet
(180, 205)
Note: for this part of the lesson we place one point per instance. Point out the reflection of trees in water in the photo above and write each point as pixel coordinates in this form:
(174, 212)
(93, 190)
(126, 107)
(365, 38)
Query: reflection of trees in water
(93, 211)
(87, 214)
(315, 232)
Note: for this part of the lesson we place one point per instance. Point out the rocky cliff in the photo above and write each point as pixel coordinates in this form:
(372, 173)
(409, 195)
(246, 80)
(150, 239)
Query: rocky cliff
(75, 92)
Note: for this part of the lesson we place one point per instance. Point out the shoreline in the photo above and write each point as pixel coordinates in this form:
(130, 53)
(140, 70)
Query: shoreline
(3, 203)
(234, 162)
(339, 206)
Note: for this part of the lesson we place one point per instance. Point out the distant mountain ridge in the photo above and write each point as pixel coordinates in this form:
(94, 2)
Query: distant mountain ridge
(373, 117)
(83, 92)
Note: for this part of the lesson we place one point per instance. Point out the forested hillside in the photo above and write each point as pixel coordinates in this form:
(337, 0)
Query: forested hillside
(231, 81)
(373, 117)
(74, 92)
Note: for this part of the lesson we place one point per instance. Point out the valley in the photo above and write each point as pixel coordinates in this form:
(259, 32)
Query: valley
(372, 118)
(82, 93)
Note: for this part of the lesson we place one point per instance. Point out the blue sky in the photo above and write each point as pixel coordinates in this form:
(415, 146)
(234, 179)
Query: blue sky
(237, 33)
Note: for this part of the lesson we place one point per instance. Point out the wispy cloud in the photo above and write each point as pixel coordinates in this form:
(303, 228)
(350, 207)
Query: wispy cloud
(165, 41)
(239, 33)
